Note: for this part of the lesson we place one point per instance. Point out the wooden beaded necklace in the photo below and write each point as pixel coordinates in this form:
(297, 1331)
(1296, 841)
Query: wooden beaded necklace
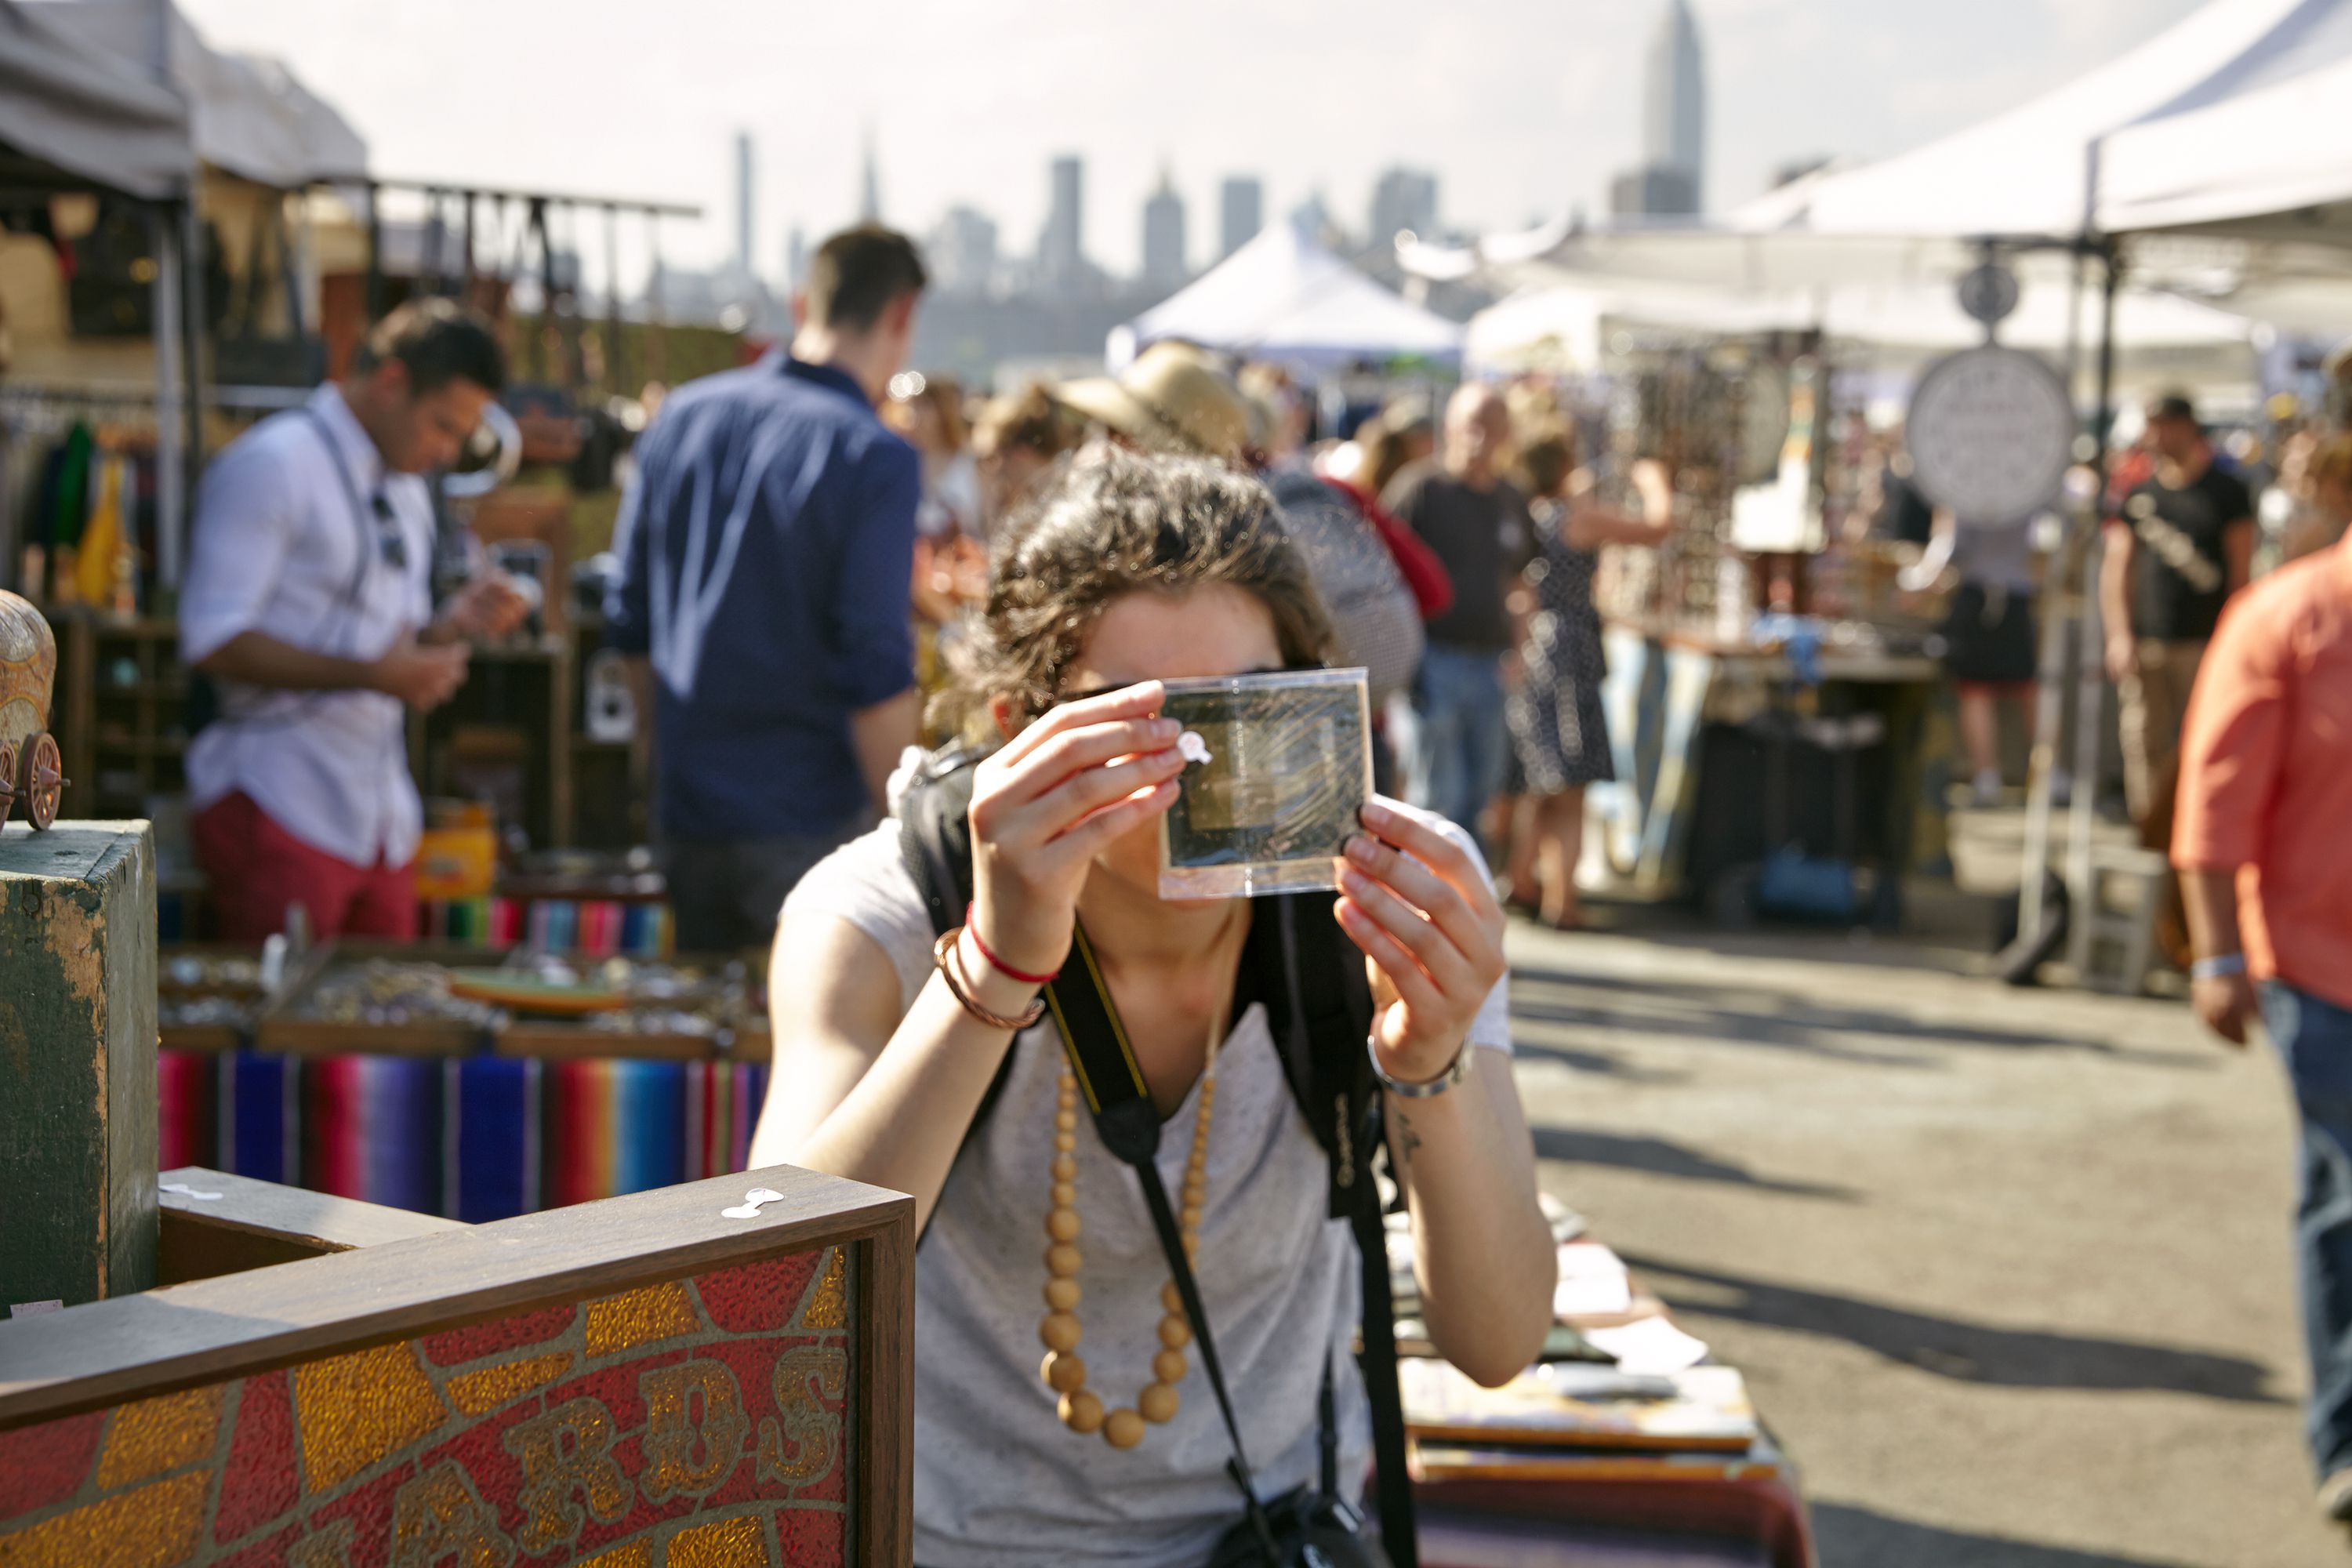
(1081, 1408)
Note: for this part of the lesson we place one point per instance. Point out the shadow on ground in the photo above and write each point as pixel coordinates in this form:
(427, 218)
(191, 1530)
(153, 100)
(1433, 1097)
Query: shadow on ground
(1761, 1016)
(1657, 1157)
(1857, 1538)
(1969, 1353)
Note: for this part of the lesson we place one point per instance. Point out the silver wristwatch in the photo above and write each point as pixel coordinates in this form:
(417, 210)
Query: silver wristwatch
(1455, 1071)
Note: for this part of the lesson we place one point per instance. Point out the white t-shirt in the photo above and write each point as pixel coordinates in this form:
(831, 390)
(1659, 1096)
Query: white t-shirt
(999, 1481)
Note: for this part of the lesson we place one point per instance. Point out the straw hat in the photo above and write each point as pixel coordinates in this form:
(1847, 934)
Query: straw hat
(1172, 396)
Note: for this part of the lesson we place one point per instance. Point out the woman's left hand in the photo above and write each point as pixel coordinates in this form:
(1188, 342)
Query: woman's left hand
(1425, 916)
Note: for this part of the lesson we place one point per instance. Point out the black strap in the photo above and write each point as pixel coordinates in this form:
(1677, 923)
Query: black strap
(1112, 1084)
(1324, 1043)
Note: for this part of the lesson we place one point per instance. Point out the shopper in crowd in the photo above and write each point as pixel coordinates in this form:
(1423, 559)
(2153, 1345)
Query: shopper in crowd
(1556, 725)
(1288, 412)
(951, 563)
(1016, 441)
(928, 411)
(1138, 569)
(2320, 487)
(1989, 645)
(2265, 863)
(1477, 523)
(2183, 543)
(767, 545)
(1174, 398)
(308, 603)
(1392, 441)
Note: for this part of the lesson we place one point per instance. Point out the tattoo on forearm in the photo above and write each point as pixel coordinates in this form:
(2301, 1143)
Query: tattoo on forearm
(1408, 1141)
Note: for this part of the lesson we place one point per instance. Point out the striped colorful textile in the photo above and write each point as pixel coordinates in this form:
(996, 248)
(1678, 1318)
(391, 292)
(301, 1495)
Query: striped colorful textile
(490, 1138)
(598, 928)
(474, 1138)
(372, 1129)
(187, 1110)
(612, 1127)
(260, 1116)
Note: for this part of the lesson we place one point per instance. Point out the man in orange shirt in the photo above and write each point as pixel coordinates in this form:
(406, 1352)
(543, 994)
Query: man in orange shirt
(2264, 841)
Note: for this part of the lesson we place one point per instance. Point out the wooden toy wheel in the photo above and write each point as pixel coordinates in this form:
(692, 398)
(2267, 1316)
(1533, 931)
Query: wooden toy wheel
(44, 781)
(7, 778)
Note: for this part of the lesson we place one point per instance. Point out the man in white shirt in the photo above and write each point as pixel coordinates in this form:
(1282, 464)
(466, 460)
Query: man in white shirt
(308, 602)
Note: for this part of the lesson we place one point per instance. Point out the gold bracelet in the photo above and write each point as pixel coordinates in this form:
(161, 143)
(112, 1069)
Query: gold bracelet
(943, 954)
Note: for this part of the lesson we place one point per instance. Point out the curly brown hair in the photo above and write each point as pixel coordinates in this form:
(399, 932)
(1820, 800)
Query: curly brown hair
(1113, 523)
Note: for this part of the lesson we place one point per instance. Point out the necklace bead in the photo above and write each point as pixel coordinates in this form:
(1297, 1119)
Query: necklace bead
(1081, 1409)
(1123, 1428)
(1064, 1373)
(1157, 1403)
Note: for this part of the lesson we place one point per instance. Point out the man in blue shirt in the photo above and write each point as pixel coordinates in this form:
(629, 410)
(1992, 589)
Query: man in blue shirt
(767, 552)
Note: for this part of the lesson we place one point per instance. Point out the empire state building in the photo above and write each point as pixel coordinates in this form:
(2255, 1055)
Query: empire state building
(1672, 178)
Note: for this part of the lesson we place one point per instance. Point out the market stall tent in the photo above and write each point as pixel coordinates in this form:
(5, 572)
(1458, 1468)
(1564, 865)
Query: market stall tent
(2160, 338)
(248, 116)
(75, 115)
(1283, 297)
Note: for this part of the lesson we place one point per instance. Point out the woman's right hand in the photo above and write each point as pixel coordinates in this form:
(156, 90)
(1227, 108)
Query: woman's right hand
(1051, 799)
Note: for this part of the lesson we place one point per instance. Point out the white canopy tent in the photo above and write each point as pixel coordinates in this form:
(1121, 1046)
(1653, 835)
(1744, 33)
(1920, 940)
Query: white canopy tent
(2160, 338)
(248, 115)
(1283, 297)
(84, 115)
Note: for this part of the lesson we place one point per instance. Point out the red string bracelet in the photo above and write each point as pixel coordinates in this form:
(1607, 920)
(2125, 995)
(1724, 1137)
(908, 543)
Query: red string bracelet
(999, 964)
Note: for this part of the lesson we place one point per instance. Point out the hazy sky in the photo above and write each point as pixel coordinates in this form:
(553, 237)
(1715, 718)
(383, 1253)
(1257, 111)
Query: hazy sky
(1523, 107)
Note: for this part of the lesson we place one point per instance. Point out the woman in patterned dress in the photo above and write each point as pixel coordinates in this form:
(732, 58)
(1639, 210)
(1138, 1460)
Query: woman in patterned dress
(1557, 729)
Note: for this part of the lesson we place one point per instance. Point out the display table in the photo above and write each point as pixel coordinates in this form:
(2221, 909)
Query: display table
(1730, 755)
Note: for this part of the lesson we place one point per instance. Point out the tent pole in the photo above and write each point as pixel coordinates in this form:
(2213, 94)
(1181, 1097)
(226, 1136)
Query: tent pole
(171, 475)
(374, 253)
(2091, 704)
(2049, 701)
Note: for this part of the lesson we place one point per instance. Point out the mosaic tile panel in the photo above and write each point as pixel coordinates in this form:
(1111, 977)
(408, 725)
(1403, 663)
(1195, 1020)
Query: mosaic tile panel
(695, 1424)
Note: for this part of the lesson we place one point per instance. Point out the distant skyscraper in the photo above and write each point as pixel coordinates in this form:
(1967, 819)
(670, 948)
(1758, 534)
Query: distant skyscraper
(744, 216)
(869, 195)
(1312, 217)
(961, 252)
(1403, 199)
(1062, 247)
(1674, 108)
(1163, 236)
(1241, 213)
(795, 260)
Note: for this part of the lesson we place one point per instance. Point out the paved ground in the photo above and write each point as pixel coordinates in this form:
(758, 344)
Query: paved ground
(2009, 1271)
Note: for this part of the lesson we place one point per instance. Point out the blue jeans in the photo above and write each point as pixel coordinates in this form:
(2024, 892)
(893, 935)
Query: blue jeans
(2314, 1037)
(1460, 741)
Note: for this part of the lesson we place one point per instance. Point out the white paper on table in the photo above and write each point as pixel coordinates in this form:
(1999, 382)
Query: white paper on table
(1592, 1282)
(1652, 1347)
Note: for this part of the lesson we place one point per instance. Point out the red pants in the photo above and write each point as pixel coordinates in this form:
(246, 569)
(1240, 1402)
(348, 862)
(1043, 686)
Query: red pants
(258, 869)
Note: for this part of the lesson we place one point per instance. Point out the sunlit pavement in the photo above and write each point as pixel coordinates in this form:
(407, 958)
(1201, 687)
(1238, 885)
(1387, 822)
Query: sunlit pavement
(2009, 1271)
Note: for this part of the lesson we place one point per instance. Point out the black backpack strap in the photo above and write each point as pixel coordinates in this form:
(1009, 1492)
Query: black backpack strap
(935, 839)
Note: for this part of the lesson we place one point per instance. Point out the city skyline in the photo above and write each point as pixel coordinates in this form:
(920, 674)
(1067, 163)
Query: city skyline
(1524, 109)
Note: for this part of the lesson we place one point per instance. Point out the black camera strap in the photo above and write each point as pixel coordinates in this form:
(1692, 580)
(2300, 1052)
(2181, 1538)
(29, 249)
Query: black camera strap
(1128, 1123)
